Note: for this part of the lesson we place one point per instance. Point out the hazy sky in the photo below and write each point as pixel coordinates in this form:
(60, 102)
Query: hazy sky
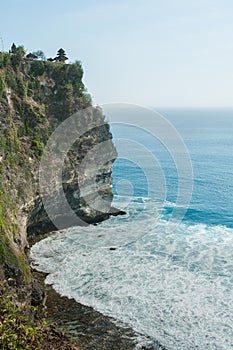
(151, 52)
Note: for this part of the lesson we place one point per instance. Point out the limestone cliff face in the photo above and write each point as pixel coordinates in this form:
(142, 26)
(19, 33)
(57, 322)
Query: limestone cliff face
(85, 180)
(35, 98)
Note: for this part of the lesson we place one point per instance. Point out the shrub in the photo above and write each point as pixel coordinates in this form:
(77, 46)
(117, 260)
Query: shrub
(15, 61)
(16, 331)
(38, 146)
(74, 73)
(2, 85)
(37, 68)
(5, 59)
(28, 130)
(11, 79)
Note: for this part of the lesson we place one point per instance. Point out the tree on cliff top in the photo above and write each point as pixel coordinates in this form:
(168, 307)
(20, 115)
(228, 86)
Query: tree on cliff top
(40, 54)
(17, 50)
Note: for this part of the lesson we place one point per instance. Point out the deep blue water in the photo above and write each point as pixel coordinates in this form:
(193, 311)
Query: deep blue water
(208, 135)
(175, 285)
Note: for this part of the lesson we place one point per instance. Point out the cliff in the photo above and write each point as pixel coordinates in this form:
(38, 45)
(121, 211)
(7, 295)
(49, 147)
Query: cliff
(35, 98)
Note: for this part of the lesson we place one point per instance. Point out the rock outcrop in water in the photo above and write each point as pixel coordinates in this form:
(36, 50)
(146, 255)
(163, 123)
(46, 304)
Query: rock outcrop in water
(35, 97)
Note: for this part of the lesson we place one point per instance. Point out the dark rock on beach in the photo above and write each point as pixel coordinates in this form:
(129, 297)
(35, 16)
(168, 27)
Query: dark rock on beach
(35, 98)
(89, 329)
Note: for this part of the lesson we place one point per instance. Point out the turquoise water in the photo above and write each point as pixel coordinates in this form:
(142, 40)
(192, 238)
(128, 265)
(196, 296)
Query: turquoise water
(174, 286)
(208, 135)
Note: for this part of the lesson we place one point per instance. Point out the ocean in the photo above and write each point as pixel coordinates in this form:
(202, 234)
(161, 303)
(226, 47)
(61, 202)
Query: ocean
(165, 268)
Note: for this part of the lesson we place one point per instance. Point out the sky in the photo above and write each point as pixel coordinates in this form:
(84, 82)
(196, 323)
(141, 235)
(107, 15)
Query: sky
(154, 53)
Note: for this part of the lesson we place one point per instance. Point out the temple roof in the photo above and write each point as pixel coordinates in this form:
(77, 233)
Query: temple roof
(60, 55)
(60, 58)
(31, 55)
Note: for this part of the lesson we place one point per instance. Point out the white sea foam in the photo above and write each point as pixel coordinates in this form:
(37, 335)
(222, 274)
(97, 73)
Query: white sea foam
(176, 288)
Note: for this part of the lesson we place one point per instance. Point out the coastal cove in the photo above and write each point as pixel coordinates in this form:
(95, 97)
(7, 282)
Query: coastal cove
(116, 175)
(174, 288)
(85, 327)
(36, 97)
(143, 249)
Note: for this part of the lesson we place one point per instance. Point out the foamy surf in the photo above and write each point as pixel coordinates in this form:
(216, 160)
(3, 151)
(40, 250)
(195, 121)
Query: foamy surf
(176, 288)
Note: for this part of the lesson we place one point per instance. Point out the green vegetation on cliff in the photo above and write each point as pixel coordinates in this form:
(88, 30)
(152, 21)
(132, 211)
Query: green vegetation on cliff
(35, 97)
(17, 331)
